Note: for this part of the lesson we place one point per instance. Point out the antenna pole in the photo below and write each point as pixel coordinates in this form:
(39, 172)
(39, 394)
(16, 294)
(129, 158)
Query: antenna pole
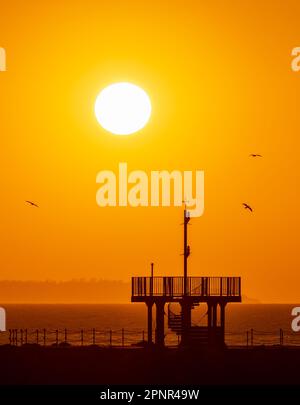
(151, 279)
(185, 252)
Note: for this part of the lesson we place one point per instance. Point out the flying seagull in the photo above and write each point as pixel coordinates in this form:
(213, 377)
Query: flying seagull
(254, 155)
(247, 207)
(32, 203)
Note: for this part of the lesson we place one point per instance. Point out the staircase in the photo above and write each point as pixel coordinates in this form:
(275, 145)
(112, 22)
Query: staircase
(174, 321)
(197, 334)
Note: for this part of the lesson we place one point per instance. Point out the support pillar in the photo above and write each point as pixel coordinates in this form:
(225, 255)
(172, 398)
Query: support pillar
(209, 319)
(222, 310)
(149, 307)
(160, 327)
(214, 320)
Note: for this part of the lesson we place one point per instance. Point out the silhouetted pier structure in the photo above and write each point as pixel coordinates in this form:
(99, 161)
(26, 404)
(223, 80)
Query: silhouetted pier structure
(189, 292)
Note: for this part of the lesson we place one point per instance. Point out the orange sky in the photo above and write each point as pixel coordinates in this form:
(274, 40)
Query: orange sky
(220, 80)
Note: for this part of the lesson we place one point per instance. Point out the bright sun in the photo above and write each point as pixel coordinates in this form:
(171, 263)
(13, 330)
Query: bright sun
(123, 108)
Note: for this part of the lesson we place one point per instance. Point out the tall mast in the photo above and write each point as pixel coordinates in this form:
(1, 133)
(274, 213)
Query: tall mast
(186, 251)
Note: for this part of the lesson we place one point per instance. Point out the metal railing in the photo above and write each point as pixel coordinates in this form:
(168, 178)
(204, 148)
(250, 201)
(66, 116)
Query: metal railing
(196, 286)
(137, 337)
(75, 337)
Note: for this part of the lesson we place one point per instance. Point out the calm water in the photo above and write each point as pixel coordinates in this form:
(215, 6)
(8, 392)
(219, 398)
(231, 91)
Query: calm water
(266, 321)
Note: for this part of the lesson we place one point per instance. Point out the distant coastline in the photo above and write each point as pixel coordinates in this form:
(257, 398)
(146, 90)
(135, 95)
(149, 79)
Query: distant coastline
(65, 292)
(77, 291)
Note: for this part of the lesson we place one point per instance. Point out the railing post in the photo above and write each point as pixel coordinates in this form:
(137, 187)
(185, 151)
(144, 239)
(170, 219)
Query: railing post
(252, 333)
(151, 279)
(26, 341)
(280, 336)
(44, 337)
(21, 331)
(140, 285)
(9, 339)
(247, 338)
(66, 335)
(37, 336)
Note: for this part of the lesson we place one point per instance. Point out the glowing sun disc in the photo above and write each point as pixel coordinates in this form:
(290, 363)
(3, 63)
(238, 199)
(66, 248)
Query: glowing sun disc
(123, 108)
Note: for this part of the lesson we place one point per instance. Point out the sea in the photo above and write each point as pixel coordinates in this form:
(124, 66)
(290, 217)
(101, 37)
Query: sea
(126, 324)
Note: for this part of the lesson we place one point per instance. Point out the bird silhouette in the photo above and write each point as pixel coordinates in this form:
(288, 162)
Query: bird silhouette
(32, 203)
(247, 207)
(254, 155)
